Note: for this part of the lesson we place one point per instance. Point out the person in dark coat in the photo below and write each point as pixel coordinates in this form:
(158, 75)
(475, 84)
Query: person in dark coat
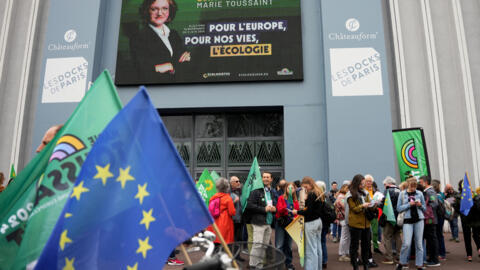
(391, 233)
(158, 50)
(261, 210)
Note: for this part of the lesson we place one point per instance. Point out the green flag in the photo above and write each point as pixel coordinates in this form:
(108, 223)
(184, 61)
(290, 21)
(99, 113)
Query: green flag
(45, 191)
(214, 175)
(388, 209)
(12, 172)
(411, 152)
(206, 186)
(254, 181)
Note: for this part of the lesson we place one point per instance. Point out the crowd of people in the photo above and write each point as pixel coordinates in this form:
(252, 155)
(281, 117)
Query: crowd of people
(420, 208)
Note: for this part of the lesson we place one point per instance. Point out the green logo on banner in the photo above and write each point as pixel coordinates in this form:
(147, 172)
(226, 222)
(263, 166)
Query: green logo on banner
(411, 153)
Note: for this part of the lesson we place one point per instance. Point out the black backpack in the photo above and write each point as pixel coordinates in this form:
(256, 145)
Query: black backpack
(440, 209)
(328, 214)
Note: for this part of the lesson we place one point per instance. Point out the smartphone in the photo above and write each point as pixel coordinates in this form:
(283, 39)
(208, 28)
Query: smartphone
(269, 203)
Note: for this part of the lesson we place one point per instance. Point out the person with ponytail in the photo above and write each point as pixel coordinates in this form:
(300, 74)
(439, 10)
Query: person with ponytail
(313, 223)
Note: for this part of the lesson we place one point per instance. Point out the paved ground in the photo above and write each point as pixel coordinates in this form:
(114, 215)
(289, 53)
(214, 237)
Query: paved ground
(456, 258)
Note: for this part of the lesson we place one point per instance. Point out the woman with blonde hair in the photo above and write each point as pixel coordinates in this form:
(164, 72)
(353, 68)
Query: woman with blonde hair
(403, 186)
(412, 203)
(313, 224)
(325, 227)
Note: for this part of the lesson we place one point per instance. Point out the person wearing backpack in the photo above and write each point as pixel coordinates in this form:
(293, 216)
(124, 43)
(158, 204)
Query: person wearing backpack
(442, 252)
(431, 220)
(451, 196)
(391, 233)
(222, 210)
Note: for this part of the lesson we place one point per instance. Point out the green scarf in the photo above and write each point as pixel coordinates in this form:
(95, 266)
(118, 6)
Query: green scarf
(268, 198)
(289, 196)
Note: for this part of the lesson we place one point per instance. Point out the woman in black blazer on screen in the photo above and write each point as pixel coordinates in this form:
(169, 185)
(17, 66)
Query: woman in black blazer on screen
(158, 50)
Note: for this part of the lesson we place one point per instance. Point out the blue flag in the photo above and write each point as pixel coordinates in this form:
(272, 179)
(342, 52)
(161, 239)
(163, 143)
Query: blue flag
(467, 200)
(133, 201)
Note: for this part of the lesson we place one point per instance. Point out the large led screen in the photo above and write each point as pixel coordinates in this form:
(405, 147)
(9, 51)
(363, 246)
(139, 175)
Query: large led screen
(192, 41)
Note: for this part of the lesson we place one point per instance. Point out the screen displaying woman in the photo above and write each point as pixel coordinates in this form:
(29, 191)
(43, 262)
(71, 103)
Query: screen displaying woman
(158, 50)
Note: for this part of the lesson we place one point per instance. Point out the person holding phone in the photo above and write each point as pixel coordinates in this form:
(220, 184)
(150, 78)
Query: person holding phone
(412, 202)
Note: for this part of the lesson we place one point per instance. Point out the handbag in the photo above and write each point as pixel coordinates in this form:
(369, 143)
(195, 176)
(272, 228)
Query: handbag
(284, 221)
(400, 219)
(371, 213)
(401, 216)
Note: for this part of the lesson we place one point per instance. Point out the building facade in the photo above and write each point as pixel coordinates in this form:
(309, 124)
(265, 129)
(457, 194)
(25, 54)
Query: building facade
(296, 128)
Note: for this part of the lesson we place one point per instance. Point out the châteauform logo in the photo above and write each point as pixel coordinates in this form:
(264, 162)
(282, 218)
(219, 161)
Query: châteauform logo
(352, 25)
(70, 36)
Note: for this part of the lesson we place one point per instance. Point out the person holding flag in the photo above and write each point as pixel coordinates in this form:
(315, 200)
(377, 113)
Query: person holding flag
(313, 223)
(261, 208)
(468, 216)
(391, 232)
(253, 181)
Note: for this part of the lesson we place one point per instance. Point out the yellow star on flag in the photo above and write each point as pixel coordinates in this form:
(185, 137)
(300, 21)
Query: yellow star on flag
(132, 267)
(103, 173)
(147, 218)
(78, 190)
(142, 193)
(125, 176)
(143, 247)
(69, 264)
(64, 240)
(67, 215)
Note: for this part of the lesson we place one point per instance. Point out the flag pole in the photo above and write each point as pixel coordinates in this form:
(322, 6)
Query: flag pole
(225, 246)
(184, 251)
(468, 179)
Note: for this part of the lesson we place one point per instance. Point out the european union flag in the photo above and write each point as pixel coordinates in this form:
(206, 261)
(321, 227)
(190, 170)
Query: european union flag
(133, 201)
(467, 200)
